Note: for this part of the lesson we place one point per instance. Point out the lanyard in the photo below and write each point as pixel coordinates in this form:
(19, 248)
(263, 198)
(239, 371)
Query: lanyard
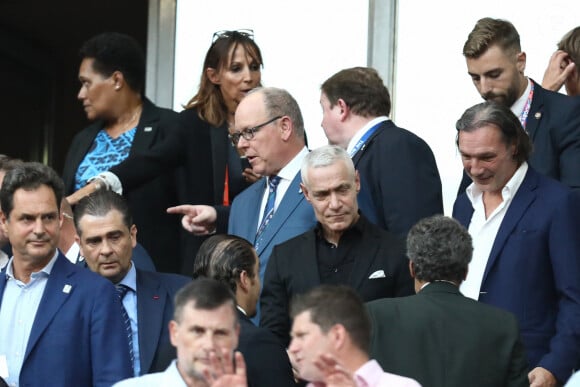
(360, 144)
(527, 106)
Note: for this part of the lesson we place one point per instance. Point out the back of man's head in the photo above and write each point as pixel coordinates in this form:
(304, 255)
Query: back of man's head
(223, 258)
(489, 32)
(440, 249)
(570, 44)
(362, 89)
(205, 294)
(330, 305)
(99, 204)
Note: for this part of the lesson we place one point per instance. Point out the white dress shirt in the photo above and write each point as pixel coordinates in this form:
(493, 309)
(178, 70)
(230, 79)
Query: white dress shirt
(484, 230)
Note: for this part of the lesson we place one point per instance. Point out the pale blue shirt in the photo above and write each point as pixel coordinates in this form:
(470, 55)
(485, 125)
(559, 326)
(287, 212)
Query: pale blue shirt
(130, 304)
(17, 313)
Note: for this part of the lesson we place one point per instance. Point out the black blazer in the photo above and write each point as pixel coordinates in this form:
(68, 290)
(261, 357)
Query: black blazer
(554, 126)
(442, 339)
(293, 269)
(267, 362)
(157, 231)
(222, 153)
(400, 183)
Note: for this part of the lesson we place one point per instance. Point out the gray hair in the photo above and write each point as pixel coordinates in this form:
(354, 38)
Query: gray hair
(323, 157)
(279, 102)
(440, 249)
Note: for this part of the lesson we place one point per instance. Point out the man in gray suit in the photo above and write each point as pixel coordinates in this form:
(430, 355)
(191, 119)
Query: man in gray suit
(439, 337)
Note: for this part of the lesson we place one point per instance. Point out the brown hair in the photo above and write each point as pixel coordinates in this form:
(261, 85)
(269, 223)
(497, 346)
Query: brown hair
(488, 32)
(362, 89)
(209, 101)
(570, 44)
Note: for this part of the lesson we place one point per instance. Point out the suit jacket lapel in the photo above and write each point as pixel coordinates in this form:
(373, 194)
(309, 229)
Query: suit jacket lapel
(360, 269)
(304, 261)
(146, 128)
(151, 301)
(356, 158)
(290, 201)
(521, 201)
(250, 210)
(535, 113)
(53, 298)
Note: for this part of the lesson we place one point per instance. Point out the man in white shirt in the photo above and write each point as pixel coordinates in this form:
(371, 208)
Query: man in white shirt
(496, 65)
(525, 229)
(205, 333)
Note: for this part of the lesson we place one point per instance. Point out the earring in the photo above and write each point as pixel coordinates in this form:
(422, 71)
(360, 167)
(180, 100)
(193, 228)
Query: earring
(117, 87)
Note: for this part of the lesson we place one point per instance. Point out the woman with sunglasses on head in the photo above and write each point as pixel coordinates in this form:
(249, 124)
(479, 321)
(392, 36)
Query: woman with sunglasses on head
(231, 68)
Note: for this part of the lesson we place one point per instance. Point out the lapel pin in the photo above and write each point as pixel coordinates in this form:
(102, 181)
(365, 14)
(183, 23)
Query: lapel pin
(155, 297)
(538, 115)
(148, 129)
(66, 289)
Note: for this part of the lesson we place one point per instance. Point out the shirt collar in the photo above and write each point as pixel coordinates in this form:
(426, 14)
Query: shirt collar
(130, 279)
(45, 270)
(242, 310)
(518, 106)
(291, 169)
(508, 191)
(361, 132)
(358, 227)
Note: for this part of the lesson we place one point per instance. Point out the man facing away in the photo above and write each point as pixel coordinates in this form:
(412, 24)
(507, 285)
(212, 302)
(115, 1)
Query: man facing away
(439, 337)
(106, 236)
(343, 248)
(564, 65)
(525, 229)
(400, 183)
(330, 341)
(204, 330)
(61, 324)
(233, 261)
(496, 65)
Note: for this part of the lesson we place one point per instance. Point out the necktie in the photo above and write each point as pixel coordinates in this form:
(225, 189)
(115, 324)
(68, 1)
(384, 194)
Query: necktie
(121, 291)
(269, 209)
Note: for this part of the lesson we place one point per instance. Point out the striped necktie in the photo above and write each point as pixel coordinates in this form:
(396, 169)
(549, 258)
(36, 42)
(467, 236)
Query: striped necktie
(121, 291)
(269, 208)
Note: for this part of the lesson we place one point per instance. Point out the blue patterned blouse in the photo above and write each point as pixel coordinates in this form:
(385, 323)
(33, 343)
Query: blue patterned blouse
(105, 152)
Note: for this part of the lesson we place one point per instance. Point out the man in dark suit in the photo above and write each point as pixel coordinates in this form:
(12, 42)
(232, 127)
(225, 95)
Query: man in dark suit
(343, 248)
(400, 182)
(270, 132)
(233, 261)
(496, 65)
(439, 337)
(107, 236)
(61, 324)
(525, 229)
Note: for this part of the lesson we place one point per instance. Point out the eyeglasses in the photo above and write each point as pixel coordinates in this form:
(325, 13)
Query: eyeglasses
(249, 133)
(226, 34)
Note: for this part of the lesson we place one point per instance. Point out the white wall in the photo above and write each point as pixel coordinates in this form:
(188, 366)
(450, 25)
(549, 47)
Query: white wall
(433, 88)
(303, 42)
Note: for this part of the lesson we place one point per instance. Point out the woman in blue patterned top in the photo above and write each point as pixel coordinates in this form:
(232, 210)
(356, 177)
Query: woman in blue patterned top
(125, 123)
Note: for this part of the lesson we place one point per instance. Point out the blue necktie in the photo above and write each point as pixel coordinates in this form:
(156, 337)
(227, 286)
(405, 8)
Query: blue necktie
(121, 291)
(269, 209)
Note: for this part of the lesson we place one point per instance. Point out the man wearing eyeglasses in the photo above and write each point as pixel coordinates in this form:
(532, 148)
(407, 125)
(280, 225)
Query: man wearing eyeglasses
(269, 131)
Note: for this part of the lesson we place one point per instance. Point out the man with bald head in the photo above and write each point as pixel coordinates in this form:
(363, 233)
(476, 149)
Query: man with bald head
(269, 130)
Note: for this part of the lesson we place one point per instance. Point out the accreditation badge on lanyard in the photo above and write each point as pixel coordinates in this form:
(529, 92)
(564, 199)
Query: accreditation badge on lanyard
(362, 142)
(524, 116)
